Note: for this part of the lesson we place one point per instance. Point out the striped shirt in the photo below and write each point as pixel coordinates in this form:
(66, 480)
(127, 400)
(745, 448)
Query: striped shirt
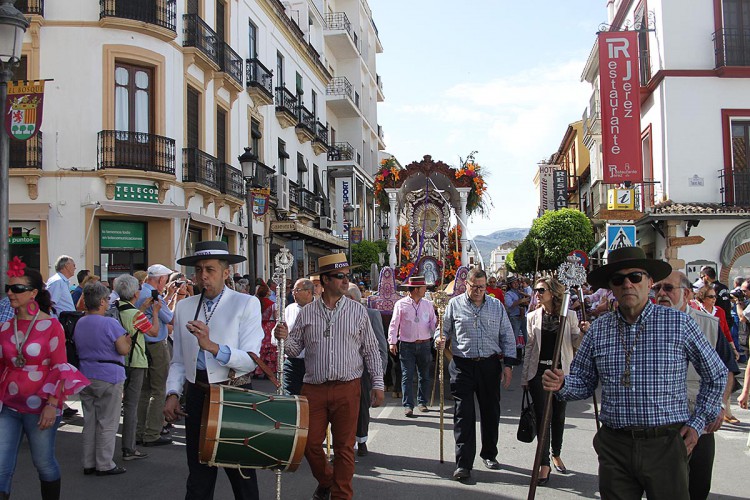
(657, 393)
(412, 321)
(477, 332)
(335, 353)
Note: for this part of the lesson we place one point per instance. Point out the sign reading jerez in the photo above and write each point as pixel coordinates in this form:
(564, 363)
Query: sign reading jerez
(620, 105)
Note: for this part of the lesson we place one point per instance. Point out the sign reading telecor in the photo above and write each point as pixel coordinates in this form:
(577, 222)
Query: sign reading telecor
(583, 257)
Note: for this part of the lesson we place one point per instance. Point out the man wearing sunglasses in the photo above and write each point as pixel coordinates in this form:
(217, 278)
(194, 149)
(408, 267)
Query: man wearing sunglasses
(674, 291)
(639, 354)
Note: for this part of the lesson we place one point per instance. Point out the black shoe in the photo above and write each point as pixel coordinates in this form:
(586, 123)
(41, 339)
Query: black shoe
(158, 442)
(461, 473)
(491, 464)
(541, 481)
(138, 442)
(111, 472)
(69, 412)
(561, 467)
(321, 493)
(362, 450)
(87, 471)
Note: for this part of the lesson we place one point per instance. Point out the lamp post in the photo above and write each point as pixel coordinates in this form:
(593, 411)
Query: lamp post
(249, 163)
(348, 214)
(13, 25)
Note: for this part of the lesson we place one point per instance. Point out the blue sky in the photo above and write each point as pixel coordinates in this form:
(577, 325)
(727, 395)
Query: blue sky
(497, 76)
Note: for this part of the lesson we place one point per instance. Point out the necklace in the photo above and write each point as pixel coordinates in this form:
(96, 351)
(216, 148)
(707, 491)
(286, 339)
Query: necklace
(625, 379)
(20, 360)
(416, 310)
(210, 314)
(330, 316)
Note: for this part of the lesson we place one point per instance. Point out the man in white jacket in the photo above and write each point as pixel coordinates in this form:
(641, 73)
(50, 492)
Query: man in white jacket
(213, 333)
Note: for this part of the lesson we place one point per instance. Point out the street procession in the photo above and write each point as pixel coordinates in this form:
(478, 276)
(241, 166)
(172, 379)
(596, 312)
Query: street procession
(223, 278)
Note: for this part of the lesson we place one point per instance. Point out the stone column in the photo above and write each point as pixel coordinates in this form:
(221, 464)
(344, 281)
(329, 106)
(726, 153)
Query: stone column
(392, 225)
(463, 194)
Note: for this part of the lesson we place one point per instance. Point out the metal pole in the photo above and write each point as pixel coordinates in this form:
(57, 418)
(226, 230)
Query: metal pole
(250, 238)
(6, 73)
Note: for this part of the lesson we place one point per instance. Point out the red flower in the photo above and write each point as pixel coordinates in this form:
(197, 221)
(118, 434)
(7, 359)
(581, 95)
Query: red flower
(15, 268)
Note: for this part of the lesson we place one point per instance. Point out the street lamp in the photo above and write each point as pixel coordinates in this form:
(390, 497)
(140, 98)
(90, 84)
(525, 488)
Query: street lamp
(348, 215)
(249, 163)
(13, 25)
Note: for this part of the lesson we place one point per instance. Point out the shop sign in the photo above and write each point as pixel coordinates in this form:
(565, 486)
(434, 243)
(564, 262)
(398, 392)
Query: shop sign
(560, 183)
(621, 106)
(546, 187)
(23, 233)
(146, 193)
(356, 234)
(115, 235)
(24, 105)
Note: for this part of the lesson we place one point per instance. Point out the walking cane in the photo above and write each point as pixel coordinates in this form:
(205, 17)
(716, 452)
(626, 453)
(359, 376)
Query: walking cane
(593, 395)
(441, 300)
(570, 274)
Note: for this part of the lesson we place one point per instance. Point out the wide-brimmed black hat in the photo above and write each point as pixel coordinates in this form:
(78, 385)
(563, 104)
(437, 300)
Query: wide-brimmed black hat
(205, 250)
(626, 258)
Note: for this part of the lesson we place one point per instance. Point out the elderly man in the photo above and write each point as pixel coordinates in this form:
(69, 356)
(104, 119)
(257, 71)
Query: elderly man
(58, 285)
(483, 346)
(214, 332)
(409, 335)
(294, 368)
(675, 291)
(337, 335)
(639, 354)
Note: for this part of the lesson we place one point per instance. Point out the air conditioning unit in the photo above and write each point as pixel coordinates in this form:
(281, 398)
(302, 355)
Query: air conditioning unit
(325, 223)
(283, 192)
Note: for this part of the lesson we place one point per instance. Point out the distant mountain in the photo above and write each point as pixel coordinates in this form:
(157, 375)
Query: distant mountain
(486, 244)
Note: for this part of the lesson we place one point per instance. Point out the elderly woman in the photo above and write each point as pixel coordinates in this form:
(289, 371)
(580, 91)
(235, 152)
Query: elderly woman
(90, 278)
(137, 325)
(101, 342)
(543, 325)
(35, 379)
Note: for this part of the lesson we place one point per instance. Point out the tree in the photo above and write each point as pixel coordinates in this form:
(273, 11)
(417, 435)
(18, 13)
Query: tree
(551, 238)
(365, 254)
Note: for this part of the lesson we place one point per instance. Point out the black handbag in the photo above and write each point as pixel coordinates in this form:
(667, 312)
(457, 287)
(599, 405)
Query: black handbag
(527, 423)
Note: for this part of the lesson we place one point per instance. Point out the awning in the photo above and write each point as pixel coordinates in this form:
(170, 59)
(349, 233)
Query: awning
(144, 209)
(29, 211)
(211, 221)
(313, 236)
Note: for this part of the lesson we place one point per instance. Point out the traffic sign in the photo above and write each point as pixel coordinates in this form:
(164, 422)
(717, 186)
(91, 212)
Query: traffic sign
(619, 236)
(583, 257)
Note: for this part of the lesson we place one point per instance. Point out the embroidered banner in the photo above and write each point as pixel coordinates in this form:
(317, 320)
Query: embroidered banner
(260, 201)
(24, 105)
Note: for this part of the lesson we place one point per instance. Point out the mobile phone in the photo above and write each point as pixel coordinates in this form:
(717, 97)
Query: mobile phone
(155, 294)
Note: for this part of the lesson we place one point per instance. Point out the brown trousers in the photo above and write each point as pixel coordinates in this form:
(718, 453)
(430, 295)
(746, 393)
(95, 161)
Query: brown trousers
(336, 403)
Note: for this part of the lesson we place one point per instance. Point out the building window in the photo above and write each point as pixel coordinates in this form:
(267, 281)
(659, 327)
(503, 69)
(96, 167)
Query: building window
(283, 156)
(301, 170)
(736, 29)
(133, 98)
(221, 135)
(740, 141)
(299, 87)
(279, 69)
(314, 103)
(193, 118)
(644, 59)
(252, 40)
(220, 21)
(255, 137)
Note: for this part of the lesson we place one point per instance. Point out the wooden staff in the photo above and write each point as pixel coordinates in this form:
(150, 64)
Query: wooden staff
(544, 430)
(593, 395)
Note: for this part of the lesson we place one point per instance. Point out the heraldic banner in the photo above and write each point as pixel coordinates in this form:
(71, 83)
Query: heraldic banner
(260, 201)
(24, 105)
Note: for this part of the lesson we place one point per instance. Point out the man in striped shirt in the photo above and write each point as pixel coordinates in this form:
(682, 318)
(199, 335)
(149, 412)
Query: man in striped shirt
(481, 338)
(337, 336)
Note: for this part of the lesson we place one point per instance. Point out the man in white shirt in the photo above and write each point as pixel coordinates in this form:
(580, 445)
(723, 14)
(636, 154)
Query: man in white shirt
(294, 368)
(58, 285)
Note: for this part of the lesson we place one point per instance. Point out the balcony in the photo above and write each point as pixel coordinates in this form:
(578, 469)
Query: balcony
(340, 98)
(381, 138)
(264, 176)
(294, 194)
(203, 42)
(305, 128)
(320, 141)
(160, 16)
(592, 119)
(259, 82)
(379, 82)
(735, 187)
(340, 36)
(274, 186)
(231, 182)
(308, 201)
(30, 7)
(201, 168)
(732, 47)
(26, 154)
(135, 151)
(286, 107)
(341, 151)
(230, 63)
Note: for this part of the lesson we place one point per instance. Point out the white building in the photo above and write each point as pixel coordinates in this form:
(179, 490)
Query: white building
(151, 103)
(497, 259)
(692, 208)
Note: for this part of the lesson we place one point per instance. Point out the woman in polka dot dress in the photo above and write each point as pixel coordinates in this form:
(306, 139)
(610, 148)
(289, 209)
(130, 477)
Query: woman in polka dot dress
(35, 379)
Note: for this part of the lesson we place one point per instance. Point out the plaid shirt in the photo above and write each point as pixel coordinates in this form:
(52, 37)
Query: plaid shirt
(6, 311)
(478, 331)
(658, 392)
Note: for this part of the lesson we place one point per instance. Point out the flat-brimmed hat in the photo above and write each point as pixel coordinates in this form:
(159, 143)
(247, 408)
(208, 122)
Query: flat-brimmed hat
(314, 277)
(205, 250)
(333, 262)
(413, 282)
(626, 258)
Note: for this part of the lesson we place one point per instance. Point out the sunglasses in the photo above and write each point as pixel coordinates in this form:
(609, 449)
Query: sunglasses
(339, 276)
(18, 288)
(710, 297)
(634, 277)
(666, 287)
(540, 290)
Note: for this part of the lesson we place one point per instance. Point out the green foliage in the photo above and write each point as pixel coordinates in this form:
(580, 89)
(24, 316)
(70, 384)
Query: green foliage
(551, 238)
(365, 254)
(382, 246)
(510, 262)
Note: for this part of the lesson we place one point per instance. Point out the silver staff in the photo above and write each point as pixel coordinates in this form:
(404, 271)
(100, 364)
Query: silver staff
(440, 299)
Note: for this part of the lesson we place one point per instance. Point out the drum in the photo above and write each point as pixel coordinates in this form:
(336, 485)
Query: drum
(243, 428)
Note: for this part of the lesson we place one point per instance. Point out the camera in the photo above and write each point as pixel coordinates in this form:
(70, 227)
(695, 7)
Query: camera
(737, 294)
(179, 283)
(155, 294)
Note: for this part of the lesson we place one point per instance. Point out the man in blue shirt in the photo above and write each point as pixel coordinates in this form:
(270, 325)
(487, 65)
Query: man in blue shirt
(481, 339)
(640, 355)
(154, 388)
(58, 285)
(78, 291)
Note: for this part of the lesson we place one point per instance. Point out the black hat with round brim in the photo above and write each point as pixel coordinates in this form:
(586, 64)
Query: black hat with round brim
(628, 258)
(205, 250)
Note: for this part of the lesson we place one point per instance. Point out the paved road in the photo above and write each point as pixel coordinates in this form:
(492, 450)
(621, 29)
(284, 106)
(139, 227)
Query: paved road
(403, 463)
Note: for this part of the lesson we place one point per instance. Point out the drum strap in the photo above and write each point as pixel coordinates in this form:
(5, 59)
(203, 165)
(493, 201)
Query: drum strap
(235, 380)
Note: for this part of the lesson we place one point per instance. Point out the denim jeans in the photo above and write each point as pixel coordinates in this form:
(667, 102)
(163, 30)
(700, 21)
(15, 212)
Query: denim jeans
(415, 357)
(13, 425)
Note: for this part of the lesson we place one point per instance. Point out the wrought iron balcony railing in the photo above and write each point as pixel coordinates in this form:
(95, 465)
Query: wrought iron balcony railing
(339, 21)
(231, 182)
(340, 85)
(308, 200)
(135, 151)
(264, 175)
(26, 154)
(157, 12)
(274, 186)
(201, 168)
(29, 7)
(259, 76)
(735, 187)
(199, 35)
(321, 133)
(732, 47)
(293, 193)
(230, 62)
(286, 101)
(341, 151)
(305, 118)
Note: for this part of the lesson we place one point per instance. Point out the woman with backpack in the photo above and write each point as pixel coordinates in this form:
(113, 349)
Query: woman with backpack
(101, 342)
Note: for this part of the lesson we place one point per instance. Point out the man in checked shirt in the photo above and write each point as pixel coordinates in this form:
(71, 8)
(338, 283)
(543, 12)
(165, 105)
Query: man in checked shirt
(482, 339)
(640, 355)
(337, 336)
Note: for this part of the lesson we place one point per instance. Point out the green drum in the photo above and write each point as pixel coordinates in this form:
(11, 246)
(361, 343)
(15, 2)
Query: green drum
(242, 428)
